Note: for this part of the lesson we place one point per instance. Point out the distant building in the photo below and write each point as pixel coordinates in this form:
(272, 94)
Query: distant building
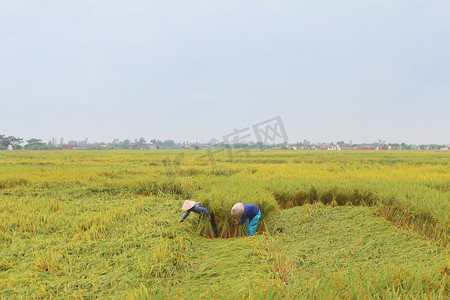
(69, 146)
(368, 147)
(145, 147)
(10, 147)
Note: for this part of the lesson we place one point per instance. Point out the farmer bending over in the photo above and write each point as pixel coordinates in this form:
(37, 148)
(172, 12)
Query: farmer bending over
(247, 211)
(192, 206)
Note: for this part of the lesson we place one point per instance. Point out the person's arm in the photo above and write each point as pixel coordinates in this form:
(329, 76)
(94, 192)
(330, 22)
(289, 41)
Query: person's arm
(185, 216)
(240, 222)
(204, 209)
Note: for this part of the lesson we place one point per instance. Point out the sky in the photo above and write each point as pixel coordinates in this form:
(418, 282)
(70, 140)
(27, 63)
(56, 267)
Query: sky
(196, 70)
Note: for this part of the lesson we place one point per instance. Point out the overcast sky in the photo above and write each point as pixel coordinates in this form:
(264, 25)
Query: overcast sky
(197, 70)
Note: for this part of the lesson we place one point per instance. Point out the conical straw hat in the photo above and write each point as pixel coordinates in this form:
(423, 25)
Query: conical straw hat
(237, 210)
(187, 205)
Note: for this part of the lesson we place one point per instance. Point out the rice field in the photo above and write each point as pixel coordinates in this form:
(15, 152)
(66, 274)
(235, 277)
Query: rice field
(103, 224)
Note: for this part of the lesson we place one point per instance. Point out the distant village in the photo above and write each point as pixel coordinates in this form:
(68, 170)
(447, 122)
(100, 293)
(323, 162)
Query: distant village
(15, 143)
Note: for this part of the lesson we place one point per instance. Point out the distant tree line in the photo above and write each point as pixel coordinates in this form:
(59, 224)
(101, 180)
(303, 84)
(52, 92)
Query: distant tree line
(37, 144)
(5, 141)
(127, 144)
(17, 143)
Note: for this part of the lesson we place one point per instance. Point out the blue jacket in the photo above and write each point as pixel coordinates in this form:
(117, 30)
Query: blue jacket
(197, 209)
(250, 211)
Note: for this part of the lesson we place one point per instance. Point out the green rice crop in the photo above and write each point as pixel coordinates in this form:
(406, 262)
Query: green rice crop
(221, 194)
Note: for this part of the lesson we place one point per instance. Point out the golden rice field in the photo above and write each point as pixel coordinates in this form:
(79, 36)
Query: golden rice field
(335, 225)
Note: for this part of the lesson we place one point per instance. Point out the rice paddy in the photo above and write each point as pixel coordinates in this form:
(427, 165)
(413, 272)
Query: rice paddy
(87, 224)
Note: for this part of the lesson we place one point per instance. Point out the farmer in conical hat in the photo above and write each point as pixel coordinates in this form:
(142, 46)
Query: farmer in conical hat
(248, 212)
(192, 206)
